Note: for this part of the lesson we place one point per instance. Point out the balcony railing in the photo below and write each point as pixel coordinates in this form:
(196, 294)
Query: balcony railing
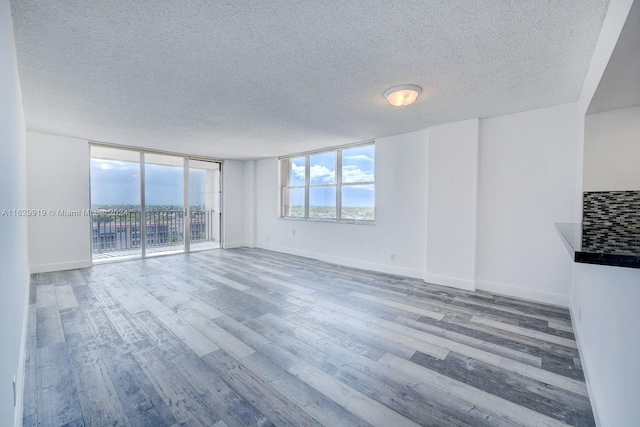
(164, 228)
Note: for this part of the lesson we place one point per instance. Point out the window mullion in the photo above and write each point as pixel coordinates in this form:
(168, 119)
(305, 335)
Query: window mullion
(143, 208)
(339, 185)
(307, 183)
(284, 171)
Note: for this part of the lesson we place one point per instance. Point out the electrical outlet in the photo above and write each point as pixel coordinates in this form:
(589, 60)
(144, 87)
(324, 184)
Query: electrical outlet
(294, 231)
(393, 257)
(580, 315)
(267, 239)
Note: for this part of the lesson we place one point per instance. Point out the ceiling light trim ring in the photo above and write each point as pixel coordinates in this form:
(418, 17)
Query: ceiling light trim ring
(402, 95)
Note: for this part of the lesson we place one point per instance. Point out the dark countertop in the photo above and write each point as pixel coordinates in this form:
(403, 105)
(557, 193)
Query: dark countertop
(601, 244)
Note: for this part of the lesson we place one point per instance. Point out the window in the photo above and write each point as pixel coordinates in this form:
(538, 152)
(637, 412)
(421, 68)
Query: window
(322, 185)
(293, 191)
(334, 185)
(358, 188)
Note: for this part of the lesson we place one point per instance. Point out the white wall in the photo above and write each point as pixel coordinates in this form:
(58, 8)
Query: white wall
(612, 150)
(606, 317)
(524, 172)
(233, 205)
(604, 299)
(401, 211)
(527, 182)
(614, 21)
(14, 273)
(617, 13)
(58, 179)
(451, 218)
(249, 203)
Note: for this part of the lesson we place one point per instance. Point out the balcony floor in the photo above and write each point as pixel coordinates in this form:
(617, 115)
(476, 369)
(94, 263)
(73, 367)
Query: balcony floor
(129, 254)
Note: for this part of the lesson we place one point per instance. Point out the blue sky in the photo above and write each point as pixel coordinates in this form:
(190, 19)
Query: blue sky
(115, 182)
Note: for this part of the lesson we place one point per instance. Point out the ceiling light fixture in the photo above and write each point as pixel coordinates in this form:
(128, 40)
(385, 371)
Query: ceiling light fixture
(401, 96)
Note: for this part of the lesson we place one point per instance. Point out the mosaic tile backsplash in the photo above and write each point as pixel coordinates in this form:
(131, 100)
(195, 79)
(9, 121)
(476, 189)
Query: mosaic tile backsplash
(611, 222)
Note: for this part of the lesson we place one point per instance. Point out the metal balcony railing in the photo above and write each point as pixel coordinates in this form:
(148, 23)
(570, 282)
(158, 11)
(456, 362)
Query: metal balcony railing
(122, 231)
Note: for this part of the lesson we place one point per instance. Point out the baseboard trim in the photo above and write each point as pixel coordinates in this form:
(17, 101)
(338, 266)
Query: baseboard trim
(595, 395)
(17, 411)
(71, 265)
(452, 282)
(524, 293)
(347, 262)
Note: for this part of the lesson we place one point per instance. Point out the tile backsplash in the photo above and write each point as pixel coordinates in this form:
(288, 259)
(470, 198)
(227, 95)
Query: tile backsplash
(611, 208)
(611, 221)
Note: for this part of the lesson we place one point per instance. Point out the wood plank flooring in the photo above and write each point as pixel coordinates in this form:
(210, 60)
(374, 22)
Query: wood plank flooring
(251, 337)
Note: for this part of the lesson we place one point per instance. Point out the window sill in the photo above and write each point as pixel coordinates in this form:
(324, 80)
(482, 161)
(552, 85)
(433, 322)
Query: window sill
(328, 220)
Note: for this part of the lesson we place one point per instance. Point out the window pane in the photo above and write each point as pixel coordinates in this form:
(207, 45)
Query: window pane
(358, 202)
(115, 184)
(322, 202)
(293, 202)
(115, 203)
(297, 172)
(358, 164)
(323, 168)
(164, 199)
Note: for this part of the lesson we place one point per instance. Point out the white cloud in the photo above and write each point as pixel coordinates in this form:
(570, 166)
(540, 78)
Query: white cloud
(350, 175)
(358, 157)
(322, 175)
(111, 164)
(319, 174)
(298, 171)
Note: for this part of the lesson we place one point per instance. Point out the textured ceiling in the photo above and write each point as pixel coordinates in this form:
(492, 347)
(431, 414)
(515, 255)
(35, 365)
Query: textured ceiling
(250, 79)
(620, 83)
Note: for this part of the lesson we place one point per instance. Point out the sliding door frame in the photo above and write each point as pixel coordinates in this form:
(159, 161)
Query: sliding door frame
(143, 208)
(187, 209)
(186, 222)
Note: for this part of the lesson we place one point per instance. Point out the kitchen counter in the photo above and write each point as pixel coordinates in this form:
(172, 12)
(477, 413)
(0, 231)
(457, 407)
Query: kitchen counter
(601, 244)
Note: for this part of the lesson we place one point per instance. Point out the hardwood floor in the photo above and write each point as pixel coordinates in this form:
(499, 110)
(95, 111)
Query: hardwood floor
(251, 337)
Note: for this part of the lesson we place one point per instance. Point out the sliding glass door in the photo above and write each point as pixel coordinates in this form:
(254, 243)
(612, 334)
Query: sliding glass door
(204, 205)
(146, 204)
(164, 204)
(115, 204)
